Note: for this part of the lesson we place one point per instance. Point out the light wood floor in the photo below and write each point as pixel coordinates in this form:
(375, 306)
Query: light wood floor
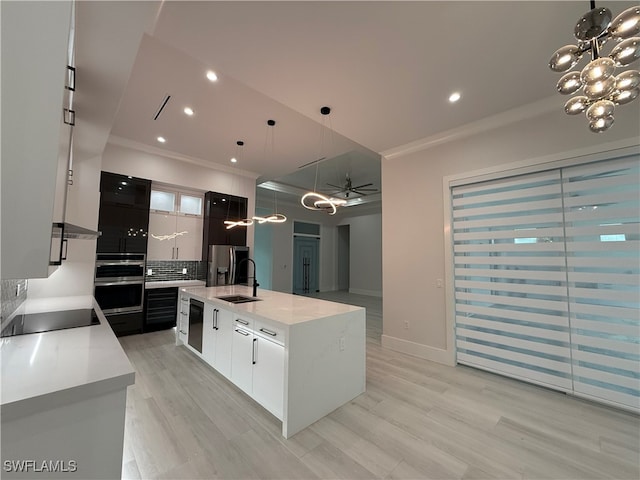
(417, 420)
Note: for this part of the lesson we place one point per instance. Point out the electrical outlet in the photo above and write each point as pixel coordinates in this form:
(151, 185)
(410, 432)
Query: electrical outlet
(439, 282)
(341, 344)
(149, 271)
(184, 271)
(406, 324)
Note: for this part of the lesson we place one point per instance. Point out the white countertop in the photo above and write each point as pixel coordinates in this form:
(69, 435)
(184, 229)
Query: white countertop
(280, 307)
(43, 370)
(174, 283)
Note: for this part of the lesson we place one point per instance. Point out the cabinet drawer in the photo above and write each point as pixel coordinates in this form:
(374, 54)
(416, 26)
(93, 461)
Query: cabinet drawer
(243, 322)
(269, 330)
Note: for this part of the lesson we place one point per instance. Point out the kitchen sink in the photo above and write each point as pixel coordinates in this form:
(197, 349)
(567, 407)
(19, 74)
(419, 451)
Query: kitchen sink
(238, 299)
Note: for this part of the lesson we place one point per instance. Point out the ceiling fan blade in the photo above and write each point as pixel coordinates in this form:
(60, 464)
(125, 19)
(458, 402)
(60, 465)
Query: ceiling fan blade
(364, 185)
(334, 186)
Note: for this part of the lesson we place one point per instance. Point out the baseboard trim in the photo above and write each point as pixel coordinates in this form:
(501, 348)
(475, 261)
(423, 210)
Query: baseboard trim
(418, 350)
(369, 293)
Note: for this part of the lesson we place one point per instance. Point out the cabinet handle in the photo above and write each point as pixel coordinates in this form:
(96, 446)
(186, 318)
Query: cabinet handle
(177, 253)
(268, 332)
(253, 351)
(71, 78)
(69, 116)
(172, 252)
(183, 332)
(182, 313)
(243, 322)
(242, 332)
(216, 312)
(65, 244)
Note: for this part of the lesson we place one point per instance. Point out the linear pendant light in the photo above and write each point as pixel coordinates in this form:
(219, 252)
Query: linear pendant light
(314, 200)
(274, 217)
(247, 222)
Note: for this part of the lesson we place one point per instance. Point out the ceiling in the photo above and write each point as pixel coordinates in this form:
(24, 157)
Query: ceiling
(385, 68)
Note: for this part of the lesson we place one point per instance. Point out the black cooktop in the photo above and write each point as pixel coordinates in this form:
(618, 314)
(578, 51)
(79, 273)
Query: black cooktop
(48, 321)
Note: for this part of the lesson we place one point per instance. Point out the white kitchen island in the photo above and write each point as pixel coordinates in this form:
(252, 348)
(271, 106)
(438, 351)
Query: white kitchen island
(299, 357)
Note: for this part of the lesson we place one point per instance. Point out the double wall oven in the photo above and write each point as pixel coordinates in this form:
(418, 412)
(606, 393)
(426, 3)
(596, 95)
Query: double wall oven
(119, 289)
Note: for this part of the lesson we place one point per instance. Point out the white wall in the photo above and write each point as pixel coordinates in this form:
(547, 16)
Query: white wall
(282, 248)
(365, 253)
(365, 248)
(75, 275)
(412, 209)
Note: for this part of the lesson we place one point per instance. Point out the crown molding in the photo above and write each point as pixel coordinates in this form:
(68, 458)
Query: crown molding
(492, 122)
(124, 142)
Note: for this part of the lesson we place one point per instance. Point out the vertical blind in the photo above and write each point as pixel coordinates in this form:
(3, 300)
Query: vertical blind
(546, 270)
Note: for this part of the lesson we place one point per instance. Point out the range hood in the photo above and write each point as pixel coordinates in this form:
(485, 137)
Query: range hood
(69, 230)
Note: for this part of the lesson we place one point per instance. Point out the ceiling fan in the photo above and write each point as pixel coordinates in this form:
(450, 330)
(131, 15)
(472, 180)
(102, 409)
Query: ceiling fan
(348, 188)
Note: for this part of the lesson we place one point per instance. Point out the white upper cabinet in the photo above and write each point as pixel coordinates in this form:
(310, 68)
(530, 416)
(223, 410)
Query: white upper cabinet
(175, 226)
(35, 37)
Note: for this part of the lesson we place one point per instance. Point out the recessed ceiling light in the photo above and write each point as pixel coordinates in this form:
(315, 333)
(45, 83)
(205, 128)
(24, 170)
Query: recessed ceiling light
(211, 75)
(188, 111)
(234, 160)
(454, 97)
(162, 139)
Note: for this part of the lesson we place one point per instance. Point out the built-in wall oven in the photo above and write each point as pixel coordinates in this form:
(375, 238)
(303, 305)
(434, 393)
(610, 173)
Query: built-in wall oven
(119, 289)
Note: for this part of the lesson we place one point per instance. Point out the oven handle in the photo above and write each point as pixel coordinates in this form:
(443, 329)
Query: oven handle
(104, 263)
(125, 282)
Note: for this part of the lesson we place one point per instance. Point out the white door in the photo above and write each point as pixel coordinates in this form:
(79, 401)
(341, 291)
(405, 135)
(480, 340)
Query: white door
(188, 238)
(224, 333)
(161, 241)
(242, 359)
(268, 375)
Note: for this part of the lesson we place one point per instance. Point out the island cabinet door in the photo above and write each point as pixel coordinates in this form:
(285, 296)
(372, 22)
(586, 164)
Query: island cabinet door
(268, 375)
(224, 337)
(209, 334)
(242, 359)
(183, 319)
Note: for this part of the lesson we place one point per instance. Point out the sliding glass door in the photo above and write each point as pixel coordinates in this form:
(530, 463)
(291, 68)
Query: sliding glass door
(546, 270)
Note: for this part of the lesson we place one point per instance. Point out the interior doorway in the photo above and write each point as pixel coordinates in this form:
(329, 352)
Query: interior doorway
(343, 257)
(306, 260)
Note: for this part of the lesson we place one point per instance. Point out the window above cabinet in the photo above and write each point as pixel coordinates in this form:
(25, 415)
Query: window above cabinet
(176, 201)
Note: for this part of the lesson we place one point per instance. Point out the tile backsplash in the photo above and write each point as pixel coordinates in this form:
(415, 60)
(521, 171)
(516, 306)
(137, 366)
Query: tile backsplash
(11, 301)
(166, 270)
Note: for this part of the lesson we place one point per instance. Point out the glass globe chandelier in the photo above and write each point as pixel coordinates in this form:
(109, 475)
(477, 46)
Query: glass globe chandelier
(602, 89)
(314, 200)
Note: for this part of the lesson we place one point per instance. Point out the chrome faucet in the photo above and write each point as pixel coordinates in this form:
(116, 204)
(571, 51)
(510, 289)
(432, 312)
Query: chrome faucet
(255, 278)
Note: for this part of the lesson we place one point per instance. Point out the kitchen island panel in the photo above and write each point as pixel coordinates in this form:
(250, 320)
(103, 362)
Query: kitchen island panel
(325, 368)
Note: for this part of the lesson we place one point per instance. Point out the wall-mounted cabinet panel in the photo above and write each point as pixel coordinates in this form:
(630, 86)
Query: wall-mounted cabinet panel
(174, 237)
(219, 207)
(124, 214)
(35, 39)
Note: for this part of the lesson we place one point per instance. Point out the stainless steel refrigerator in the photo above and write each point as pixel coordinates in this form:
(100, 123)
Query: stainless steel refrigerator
(226, 266)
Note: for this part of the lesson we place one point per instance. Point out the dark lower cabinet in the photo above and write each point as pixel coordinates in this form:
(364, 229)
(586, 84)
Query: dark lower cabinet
(126, 323)
(160, 308)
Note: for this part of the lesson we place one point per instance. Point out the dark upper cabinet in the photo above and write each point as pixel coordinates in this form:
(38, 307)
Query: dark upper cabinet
(219, 207)
(118, 189)
(124, 214)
